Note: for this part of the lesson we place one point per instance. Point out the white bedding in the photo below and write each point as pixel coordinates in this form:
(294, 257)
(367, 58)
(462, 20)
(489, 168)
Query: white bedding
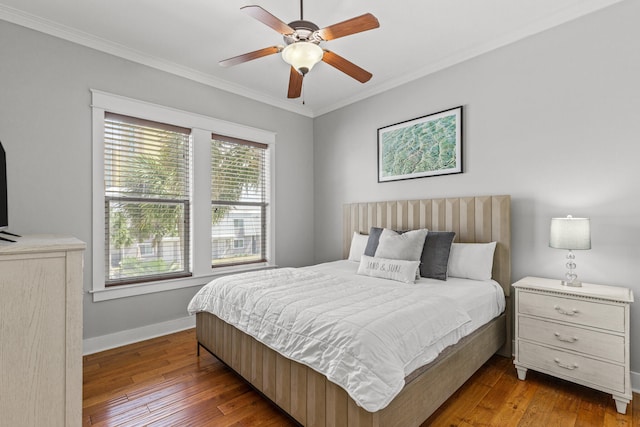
(363, 333)
(482, 300)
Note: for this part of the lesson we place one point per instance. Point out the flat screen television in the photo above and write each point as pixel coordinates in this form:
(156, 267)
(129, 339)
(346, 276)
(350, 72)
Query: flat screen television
(4, 209)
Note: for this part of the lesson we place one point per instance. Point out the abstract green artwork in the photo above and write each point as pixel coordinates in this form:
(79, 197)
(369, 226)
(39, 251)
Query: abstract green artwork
(426, 146)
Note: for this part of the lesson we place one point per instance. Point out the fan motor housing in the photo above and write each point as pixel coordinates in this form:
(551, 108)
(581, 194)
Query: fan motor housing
(304, 31)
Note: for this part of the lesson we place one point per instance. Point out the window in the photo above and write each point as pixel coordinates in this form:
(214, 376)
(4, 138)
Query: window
(146, 249)
(155, 224)
(238, 201)
(146, 205)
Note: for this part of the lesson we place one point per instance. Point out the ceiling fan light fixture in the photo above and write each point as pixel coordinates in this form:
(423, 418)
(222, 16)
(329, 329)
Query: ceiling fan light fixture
(302, 56)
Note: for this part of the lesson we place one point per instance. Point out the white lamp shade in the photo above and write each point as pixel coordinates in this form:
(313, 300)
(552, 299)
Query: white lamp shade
(570, 233)
(302, 55)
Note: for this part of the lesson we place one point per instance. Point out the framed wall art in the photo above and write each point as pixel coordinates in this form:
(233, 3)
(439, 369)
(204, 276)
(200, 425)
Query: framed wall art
(426, 146)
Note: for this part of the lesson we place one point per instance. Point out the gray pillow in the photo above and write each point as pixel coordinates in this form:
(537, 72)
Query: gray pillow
(372, 242)
(435, 254)
(407, 246)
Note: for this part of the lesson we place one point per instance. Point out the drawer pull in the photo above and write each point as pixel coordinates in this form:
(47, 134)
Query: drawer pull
(565, 339)
(564, 365)
(561, 310)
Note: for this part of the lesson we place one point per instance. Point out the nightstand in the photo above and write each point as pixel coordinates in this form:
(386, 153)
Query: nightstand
(578, 334)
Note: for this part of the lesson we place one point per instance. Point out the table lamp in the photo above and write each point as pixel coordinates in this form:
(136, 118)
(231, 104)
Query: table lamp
(572, 234)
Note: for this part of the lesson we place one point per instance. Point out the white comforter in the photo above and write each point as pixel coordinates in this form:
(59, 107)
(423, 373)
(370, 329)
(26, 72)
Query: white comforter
(360, 334)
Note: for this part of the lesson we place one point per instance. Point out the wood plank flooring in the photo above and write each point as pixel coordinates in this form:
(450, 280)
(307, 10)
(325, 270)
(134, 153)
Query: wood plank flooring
(161, 382)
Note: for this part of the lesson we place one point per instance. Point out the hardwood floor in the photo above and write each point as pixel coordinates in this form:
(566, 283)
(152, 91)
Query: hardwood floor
(161, 382)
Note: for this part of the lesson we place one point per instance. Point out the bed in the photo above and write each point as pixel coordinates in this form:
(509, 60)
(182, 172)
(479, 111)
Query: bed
(312, 399)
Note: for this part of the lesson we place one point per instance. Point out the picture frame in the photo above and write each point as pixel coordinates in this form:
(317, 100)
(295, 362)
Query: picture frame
(426, 146)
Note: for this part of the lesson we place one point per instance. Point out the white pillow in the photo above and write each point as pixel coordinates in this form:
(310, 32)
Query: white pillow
(358, 244)
(407, 246)
(393, 269)
(471, 260)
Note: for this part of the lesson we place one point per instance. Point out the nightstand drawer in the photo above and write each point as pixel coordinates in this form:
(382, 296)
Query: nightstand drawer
(569, 337)
(582, 312)
(583, 369)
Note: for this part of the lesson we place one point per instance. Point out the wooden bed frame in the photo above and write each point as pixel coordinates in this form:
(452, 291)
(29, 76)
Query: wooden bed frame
(309, 397)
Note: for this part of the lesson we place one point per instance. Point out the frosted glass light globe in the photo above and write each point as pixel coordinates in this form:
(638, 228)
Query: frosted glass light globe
(302, 56)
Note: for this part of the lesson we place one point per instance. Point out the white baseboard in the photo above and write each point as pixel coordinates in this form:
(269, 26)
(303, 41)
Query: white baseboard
(635, 382)
(118, 339)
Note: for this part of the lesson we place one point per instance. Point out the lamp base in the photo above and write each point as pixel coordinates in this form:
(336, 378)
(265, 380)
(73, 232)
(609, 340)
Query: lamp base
(574, 284)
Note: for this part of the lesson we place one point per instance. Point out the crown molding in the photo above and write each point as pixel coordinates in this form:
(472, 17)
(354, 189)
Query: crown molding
(569, 14)
(75, 36)
(66, 33)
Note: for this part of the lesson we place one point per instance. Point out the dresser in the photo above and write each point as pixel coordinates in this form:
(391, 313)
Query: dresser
(41, 331)
(578, 334)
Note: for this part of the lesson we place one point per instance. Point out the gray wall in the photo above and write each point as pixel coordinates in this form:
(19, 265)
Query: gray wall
(553, 120)
(45, 127)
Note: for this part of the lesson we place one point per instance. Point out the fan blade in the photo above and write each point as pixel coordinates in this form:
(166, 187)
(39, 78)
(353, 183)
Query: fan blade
(351, 26)
(346, 67)
(250, 56)
(268, 19)
(295, 84)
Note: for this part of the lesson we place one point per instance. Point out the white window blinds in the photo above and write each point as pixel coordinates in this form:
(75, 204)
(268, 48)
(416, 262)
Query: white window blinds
(239, 200)
(147, 200)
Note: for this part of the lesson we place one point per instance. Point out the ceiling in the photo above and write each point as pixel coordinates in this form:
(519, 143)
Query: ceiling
(189, 37)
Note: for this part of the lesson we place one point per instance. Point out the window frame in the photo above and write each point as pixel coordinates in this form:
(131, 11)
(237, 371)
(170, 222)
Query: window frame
(122, 134)
(201, 129)
(258, 200)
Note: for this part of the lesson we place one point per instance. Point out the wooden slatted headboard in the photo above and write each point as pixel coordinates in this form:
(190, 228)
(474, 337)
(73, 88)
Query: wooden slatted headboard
(474, 219)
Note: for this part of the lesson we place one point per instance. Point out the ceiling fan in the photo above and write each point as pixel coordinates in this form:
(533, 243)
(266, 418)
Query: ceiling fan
(302, 48)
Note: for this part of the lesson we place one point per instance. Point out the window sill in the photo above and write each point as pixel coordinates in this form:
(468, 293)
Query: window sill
(125, 291)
